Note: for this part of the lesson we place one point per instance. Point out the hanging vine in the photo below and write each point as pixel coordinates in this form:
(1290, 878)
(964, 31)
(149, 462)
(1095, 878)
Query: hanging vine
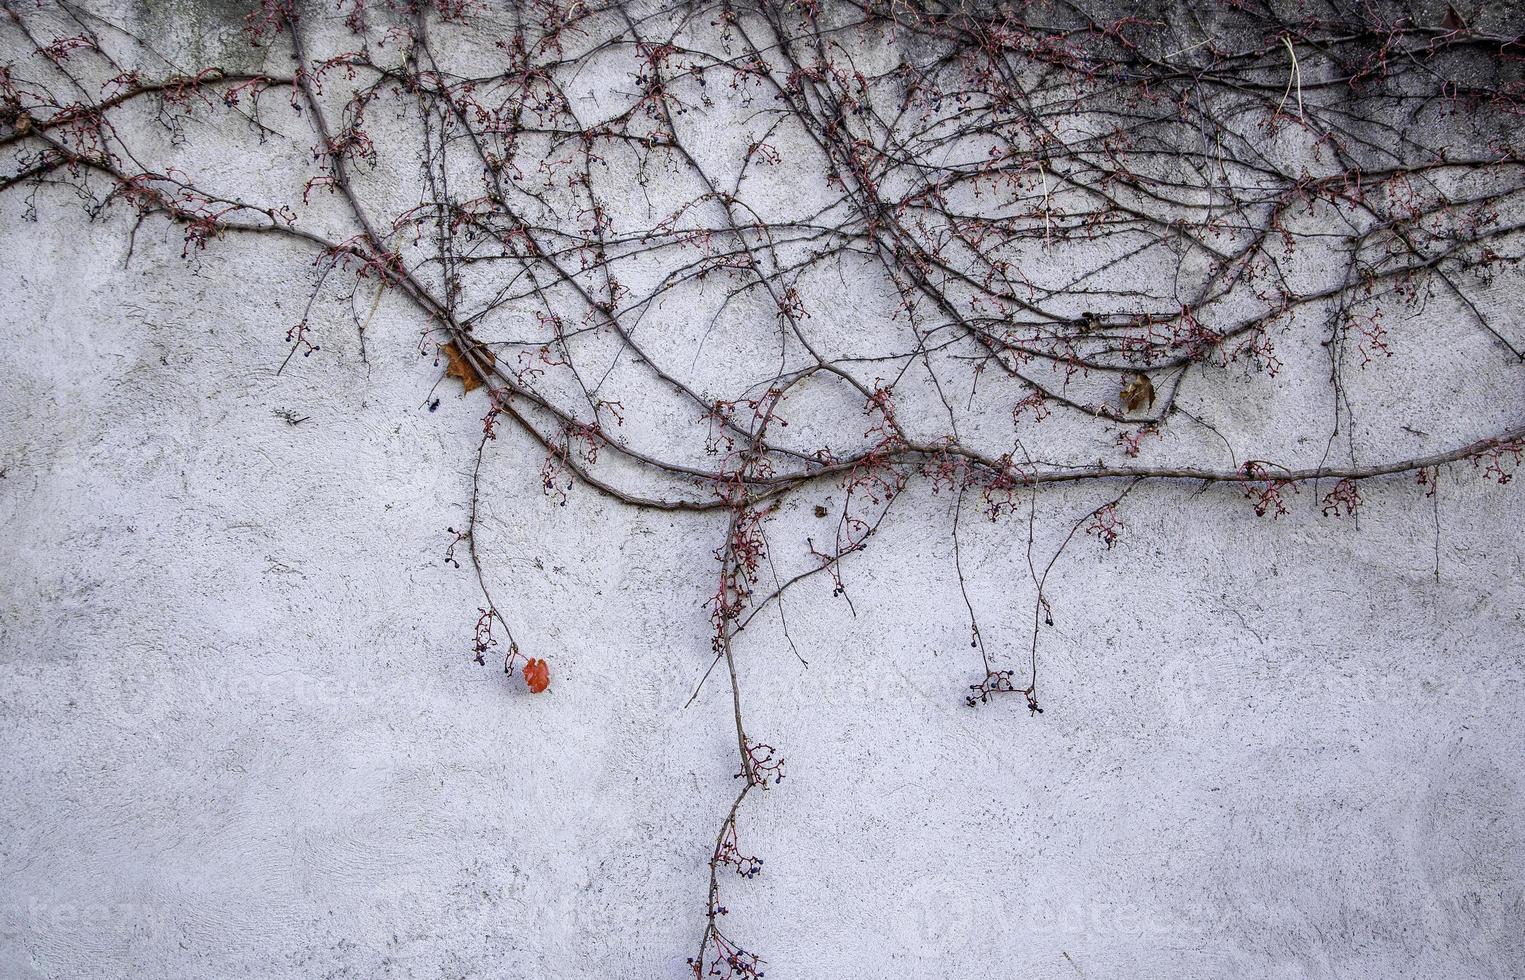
(669, 241)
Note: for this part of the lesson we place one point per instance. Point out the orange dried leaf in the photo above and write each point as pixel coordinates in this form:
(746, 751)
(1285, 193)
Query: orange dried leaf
(537, 674)
(460, 368)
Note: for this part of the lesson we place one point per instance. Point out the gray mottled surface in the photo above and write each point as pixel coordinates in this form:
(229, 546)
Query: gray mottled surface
(240, 735)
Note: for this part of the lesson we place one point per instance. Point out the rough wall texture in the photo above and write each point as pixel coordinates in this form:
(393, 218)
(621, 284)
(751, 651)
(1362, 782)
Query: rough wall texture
(242, 736)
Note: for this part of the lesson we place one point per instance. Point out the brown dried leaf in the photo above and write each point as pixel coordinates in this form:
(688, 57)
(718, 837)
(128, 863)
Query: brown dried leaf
(1138, 393)
(460, 368)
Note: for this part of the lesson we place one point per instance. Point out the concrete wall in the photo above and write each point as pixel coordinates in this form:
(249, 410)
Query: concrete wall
(242, 735)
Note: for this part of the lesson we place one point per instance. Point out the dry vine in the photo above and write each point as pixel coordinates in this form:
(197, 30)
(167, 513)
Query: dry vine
(1068, 217)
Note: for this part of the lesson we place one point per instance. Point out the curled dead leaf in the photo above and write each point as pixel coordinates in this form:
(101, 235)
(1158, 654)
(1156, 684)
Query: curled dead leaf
(537, 674)
(459, 366)
(1138, 393)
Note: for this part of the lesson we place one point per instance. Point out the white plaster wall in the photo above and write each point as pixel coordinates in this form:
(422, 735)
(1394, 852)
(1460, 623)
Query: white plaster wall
(242, 736)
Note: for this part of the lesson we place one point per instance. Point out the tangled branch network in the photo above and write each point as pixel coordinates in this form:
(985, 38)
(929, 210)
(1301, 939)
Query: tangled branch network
(710, 256)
